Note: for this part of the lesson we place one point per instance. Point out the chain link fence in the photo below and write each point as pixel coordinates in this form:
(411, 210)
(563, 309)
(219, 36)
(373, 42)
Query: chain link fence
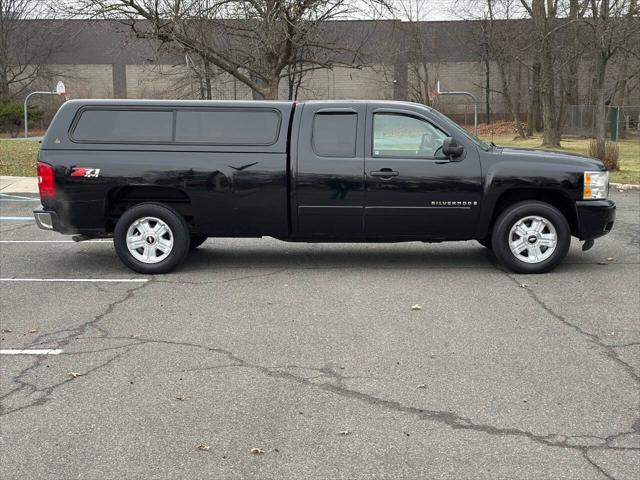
(580, 120)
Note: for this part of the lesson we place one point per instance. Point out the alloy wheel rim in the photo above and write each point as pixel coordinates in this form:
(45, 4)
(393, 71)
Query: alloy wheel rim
(533, 239)
(149, 240)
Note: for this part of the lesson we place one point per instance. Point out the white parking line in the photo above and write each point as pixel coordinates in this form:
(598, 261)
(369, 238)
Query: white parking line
(91, 280)
(48, 351)
(54, 241)
(18, 218)
(9, 197)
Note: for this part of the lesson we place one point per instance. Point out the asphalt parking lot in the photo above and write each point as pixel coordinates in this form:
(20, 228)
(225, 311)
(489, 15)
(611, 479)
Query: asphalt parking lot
(312, 354)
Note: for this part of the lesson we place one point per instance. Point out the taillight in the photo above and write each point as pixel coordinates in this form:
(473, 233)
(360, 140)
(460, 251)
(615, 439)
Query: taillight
(46, 180)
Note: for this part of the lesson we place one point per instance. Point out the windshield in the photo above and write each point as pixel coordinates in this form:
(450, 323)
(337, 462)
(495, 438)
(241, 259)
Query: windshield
(484, 146)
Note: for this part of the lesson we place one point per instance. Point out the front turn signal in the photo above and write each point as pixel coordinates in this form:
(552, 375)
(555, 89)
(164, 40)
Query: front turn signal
(595, 185)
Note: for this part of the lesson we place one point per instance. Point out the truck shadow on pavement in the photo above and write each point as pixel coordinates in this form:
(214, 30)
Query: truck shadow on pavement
(211, 257)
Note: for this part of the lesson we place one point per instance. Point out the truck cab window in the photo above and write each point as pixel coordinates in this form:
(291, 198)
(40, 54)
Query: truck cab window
(334, 134)
(397, 135)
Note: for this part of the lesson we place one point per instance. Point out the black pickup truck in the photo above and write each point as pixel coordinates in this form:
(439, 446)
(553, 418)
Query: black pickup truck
(162, 176)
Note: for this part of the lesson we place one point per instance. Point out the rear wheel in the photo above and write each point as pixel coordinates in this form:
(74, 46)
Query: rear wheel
(151, 238)
(531, 237)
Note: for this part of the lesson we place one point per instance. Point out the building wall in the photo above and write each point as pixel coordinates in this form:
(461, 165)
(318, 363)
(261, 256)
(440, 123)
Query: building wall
(85, 81)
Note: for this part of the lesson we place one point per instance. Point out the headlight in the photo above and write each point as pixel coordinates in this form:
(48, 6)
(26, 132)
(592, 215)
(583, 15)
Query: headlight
(596, 185)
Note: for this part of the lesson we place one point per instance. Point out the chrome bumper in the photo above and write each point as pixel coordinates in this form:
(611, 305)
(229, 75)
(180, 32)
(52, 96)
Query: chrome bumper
(44, 219)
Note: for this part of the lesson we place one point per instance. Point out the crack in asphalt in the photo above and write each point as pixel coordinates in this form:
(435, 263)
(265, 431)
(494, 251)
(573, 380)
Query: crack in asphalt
(29, 389)
(450, 419)
(609, 351)
(591, 337)
(16, 228)
(335, 386)
(585, 455)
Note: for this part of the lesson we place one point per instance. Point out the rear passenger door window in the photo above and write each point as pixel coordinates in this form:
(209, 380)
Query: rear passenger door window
(334, 134)
(126, 126)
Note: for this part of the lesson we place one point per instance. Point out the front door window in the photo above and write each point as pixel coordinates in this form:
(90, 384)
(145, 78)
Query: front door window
(397, 135)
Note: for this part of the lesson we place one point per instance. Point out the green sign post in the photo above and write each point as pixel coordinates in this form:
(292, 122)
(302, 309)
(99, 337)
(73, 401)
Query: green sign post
(614, 112)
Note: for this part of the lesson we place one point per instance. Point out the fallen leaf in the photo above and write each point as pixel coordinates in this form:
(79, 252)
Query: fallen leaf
(257, 451)
(416, 307)
(524, 285)
(345, 432)
(204, 447)
(74, 374)
(422, 385)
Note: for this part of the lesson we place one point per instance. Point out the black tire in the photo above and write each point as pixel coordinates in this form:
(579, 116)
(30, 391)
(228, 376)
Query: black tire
(196, 241)
(179, 233)
(486, 242)
(512, 215)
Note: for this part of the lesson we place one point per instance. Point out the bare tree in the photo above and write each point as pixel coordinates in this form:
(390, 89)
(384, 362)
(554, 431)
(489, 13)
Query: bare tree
(613, 31)
(23, 51)
(507, 47)
(501, 44)
(544, 14)
(254, 41)
(417, 50)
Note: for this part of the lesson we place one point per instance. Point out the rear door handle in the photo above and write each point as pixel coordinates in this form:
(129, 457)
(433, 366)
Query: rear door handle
(384, 173)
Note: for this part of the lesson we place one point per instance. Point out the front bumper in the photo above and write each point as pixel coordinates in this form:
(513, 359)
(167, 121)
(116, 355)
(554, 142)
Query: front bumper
(595, 218)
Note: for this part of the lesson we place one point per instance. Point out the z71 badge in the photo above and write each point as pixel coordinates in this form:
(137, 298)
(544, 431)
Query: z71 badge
(85, 172)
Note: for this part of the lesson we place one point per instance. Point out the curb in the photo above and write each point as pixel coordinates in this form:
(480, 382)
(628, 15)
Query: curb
(623, 187)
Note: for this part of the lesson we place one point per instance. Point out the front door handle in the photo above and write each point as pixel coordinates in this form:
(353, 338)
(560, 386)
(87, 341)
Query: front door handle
(384, 173)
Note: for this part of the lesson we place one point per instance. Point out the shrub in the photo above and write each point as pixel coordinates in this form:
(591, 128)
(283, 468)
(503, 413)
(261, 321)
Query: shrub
(607, 152)
(12, 116)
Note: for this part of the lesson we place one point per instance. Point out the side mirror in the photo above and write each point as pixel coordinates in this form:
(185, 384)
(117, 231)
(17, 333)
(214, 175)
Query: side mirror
(451, 148)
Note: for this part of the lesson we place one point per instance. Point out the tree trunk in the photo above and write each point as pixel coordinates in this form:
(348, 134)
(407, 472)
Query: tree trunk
(534, 115)
(600, 129)
(505, 78)
(271, 89)
(551, 131)
(516, 99)
(207, 80)
(573, 95)
(487, 88)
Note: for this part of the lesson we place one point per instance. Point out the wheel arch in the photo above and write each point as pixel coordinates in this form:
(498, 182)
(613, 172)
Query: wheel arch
(122, 198)
(556, 198)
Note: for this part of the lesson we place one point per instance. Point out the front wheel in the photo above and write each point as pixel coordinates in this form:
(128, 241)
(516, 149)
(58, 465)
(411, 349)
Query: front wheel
(151, 238)
(531, 237)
